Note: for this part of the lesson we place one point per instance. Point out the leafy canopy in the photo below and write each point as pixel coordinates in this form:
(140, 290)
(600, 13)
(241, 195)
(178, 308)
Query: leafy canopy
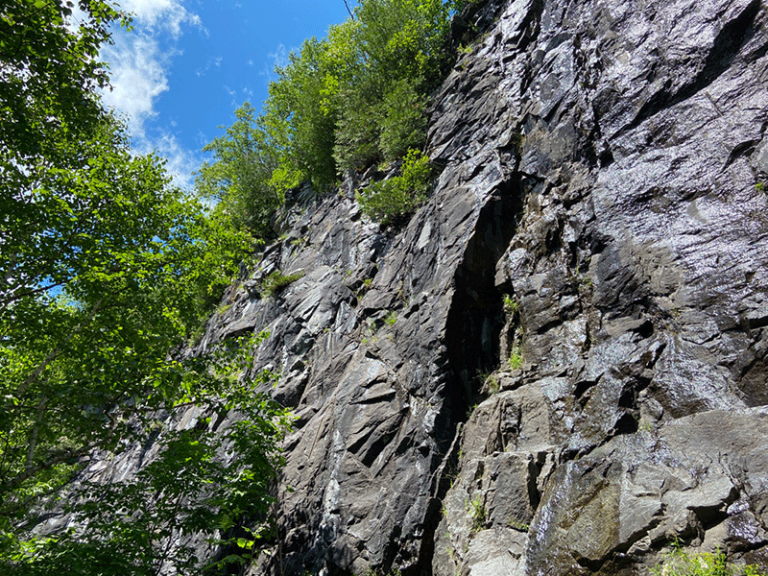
(353, 99)
(107, 272)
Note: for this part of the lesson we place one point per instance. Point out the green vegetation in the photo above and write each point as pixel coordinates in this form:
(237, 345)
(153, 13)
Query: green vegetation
(510, 305)
(276, 282)
(241, 180)
(515, 358)
(398, 196)
(476, 509)
(519, 526)
(372, 572)
(390, 318)
(108, 272)
(187, 489)
(351, 100)
(679, 563)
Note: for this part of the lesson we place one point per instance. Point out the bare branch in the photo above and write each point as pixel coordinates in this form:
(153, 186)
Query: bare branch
(351, 14)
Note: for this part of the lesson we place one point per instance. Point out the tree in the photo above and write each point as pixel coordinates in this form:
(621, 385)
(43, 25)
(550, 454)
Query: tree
(302, 101)
(49, 76)
(240, 179)
(341, 104)
(107, 273)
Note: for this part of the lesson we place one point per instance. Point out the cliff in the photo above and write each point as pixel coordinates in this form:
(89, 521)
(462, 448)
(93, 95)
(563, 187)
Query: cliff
(558, 366)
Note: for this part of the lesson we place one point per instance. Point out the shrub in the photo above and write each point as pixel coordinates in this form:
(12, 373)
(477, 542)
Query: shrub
(510, 305)
(399, 196)
(679, 563)
(276, 282)
(476, 509)
(515, 358)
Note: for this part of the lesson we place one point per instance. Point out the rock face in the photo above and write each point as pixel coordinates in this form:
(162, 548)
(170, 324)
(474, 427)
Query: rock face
(559, 365)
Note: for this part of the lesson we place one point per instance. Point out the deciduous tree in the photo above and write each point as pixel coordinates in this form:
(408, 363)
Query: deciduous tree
(106, 271)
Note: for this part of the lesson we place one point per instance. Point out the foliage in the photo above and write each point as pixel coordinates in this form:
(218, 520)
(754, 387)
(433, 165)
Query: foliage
(476, 509)
(515, 358)
(107, 269)
(372, 572)
(492, 384)
(398, 196)
(510, 305)
(49, 75)
(405, 124)
(276, 282)
(343, 103)
(679, 563)
(205, 482)
(302, 117)
(240, 178)
(519, 526)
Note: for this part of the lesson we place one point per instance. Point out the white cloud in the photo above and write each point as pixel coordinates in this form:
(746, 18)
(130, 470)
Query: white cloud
(210, 62)
(167, 15)
(180, 162)
(139, 63)
(139, 74)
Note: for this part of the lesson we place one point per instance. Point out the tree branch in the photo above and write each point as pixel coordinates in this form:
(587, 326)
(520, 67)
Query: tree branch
(55, 353)
(351, 14)
(63, 456)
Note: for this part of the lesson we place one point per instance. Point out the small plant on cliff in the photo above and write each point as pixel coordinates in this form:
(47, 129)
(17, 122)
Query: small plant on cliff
(680, 563)
(519, 526)
(372, 572)
(276, 282)
(399, 196)
(476, 509)
(515, 358)
(510, 305)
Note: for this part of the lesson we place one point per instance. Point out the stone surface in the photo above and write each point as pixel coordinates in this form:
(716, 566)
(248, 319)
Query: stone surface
(602, 165)
(599, 166)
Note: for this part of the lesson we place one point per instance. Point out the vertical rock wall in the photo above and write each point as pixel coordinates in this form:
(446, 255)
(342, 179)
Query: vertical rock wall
(601, 166)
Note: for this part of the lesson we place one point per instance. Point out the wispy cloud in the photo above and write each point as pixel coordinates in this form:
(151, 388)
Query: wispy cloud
(139, 74)
(167, 15)
(139, 64)
(210, 63)
(276, 59)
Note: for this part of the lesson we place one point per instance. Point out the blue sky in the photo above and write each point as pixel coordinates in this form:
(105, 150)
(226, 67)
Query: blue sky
(188, 64)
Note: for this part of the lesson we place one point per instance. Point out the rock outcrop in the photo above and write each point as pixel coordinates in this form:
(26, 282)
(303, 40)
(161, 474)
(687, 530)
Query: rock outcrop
(600, 218)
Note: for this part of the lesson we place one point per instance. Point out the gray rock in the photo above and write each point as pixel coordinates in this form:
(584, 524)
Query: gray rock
(602, 165)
